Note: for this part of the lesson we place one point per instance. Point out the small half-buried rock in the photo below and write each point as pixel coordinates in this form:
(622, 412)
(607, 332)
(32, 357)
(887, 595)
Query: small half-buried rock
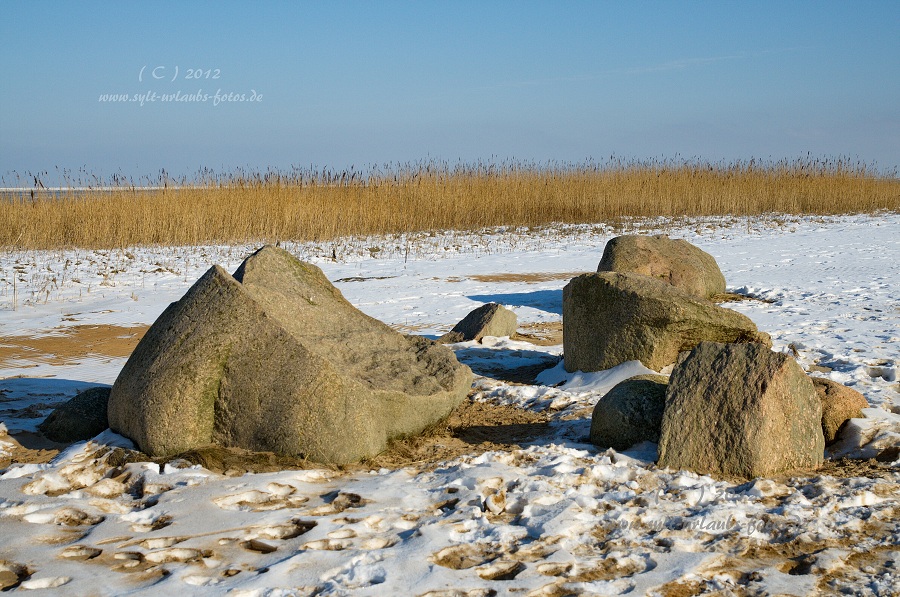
(839, 403)
(630, 413)
(491, 319)
(80, 418)
(275, 359)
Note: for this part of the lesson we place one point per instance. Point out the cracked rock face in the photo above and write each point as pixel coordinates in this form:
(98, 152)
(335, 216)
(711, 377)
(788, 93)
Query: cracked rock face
(275, 359)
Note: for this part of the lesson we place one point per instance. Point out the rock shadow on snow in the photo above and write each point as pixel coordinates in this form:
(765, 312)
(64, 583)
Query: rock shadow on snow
(550, 301)
(507, 364)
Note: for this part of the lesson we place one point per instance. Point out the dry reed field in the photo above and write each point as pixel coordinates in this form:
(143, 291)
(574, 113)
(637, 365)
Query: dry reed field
(321, 205)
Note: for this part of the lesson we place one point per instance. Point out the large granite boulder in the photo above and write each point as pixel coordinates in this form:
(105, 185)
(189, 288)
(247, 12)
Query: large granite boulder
(610, 318)
(491, 319)
(740, 410)
(674, 261)
(275, 359)
(630, 413)
(839, 403)
(80, 418)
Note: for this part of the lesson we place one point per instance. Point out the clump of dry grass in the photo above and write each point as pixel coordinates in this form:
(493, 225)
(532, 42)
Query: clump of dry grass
(321, 205)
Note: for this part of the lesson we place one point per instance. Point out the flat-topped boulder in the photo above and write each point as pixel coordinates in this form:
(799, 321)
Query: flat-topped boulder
(674, 261)
(275, 359)
(740, 410)
(610, 318)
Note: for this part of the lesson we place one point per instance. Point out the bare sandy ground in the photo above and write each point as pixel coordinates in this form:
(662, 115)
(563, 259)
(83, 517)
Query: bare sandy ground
(66, 345)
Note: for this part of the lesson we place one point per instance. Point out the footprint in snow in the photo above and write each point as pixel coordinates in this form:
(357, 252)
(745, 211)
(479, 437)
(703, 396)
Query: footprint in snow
(146, 521)
(71, 517)
(173, 554)
(328, 545)
(461, 557)
(500, 570)
(338, 501)
(47, 582)
(276, 497)
(293, 528)
(80, 552)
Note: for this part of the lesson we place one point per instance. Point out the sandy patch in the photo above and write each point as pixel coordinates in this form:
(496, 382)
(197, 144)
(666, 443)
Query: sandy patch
(27, 448)
(549, 333)
(66, 345)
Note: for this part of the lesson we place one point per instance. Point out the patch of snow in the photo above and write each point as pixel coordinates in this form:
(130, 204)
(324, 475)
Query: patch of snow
(598, 382)
(556, 515)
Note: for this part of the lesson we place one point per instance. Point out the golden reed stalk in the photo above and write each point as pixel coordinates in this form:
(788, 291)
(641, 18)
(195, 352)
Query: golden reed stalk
(433, 196)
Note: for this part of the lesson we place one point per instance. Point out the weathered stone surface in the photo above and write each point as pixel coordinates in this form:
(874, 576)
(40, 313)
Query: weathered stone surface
(610, 318)
(275, 359)
(80, 418)
(740, 410)
(839, 403)
(630, 413)
(674, 261)
(491, 319)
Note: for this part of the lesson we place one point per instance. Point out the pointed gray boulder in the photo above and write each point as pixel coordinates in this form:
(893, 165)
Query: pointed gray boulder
(491, 319)
(275, 359)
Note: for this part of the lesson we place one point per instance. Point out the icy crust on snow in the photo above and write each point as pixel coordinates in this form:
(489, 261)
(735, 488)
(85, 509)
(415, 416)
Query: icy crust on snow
(556, 516)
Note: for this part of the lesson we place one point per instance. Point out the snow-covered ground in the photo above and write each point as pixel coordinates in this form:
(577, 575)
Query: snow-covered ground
(554, 517)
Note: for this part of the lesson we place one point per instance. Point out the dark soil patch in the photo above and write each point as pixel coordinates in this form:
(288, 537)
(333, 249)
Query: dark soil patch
(29, 448)
(473, 428)
(525, 375)
(846, 468)
(733, 297)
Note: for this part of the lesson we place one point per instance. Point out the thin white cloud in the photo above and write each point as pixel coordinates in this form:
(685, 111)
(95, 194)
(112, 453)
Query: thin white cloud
(680, 64)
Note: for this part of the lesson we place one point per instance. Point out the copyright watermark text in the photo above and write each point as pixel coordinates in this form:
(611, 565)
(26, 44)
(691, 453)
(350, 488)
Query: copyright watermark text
(167, 76)
(200, 97)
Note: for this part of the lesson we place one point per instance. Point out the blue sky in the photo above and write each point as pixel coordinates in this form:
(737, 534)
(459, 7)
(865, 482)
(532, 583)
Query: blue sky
(362, 83)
